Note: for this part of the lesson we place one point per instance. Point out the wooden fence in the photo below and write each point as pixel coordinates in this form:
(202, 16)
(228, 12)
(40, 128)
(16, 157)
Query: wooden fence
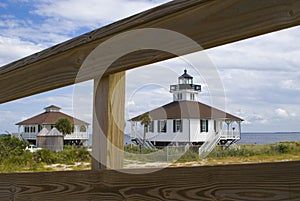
(208, 22)
(269, 181)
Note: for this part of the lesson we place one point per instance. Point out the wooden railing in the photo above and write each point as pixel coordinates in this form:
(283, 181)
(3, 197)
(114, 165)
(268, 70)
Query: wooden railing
(259, 182)
(209, 23)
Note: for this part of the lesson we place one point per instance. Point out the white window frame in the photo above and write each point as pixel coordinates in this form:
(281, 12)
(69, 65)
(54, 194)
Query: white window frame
(177, 126)
(161, 126)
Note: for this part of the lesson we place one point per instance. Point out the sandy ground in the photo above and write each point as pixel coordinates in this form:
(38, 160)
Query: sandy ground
(127, 165)
(65, 167)
(131, 164)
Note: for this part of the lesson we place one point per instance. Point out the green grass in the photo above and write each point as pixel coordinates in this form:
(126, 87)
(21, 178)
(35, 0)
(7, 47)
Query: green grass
(283, 148)
(252, 153)
(14, 158)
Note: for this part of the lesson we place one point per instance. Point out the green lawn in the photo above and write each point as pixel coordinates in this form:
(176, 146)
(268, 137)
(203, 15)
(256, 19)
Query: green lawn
(14, 158)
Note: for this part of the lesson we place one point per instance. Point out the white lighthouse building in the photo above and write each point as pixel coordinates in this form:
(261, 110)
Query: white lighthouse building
(187, 121)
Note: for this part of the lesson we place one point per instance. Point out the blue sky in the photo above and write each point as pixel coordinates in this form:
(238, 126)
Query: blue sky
(261, 76)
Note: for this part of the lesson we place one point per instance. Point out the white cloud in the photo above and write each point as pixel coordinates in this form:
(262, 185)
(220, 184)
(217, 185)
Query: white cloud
(92, 12)
(261, 77)
(281, 112)
(291, 84)
(14, 48)
(50, 22)
(277, 51)
(47, 32)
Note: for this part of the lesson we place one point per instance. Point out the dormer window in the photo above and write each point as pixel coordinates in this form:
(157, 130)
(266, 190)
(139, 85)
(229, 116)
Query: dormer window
(52, 108)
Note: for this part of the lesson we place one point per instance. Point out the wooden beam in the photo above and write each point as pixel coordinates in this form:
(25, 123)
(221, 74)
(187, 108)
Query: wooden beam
(269, 181)
(109, 122)
(209, 23)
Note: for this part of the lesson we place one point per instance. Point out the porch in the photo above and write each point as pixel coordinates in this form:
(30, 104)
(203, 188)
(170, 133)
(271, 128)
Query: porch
(73, 136)
(230, 130)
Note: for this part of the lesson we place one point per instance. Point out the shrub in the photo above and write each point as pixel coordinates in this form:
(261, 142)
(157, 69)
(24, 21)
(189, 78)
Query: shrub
(11, 146)
(282, 148)
(45, 156)
(69, 155)
(189, 156)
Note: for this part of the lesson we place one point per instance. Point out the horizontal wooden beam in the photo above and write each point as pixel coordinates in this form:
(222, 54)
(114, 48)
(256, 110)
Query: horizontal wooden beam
(209, 23)
(269, 181)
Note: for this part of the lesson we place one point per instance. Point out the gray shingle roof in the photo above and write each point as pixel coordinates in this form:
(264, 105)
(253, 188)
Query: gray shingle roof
(43, 132)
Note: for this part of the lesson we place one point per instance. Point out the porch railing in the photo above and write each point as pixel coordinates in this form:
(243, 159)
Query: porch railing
(228, 134)
(76, 135)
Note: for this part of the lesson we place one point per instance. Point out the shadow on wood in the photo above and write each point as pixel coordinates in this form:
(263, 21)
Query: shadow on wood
(269, 181)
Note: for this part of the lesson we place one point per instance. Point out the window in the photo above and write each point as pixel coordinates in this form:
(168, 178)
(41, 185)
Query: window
(151, 127)
(40, 128)
(204, 125)
(215, 125)
(82, 129)
(162, 126)
(26, 129)
(177, 125)
(179, 96)
(192, 96)
(32, 129)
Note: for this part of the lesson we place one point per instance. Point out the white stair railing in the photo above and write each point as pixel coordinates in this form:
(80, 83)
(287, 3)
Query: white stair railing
(147, 143)
(209, 145)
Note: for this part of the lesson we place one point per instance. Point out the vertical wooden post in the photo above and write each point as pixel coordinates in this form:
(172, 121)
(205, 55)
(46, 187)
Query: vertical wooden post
(108, 122)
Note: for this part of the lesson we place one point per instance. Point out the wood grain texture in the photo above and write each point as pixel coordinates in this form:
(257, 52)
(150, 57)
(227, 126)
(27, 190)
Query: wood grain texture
(257, 182)
(209, 23)
(109, 122)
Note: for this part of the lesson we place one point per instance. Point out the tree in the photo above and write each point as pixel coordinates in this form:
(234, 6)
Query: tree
(64, 126)
(145, 121)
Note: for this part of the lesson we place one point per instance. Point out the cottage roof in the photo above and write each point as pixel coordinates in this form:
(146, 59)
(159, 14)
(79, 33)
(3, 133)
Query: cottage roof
(50, 117)
(188, 110)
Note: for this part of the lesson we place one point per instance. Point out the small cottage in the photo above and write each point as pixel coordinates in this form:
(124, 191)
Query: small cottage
(187, 121)
(29, 128)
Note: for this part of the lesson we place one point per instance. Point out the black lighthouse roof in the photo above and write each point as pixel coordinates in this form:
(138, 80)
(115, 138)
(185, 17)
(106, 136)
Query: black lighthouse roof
(185, 75)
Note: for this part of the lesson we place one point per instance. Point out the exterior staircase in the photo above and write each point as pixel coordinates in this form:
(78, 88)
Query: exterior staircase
(139, 141)
(209, 145)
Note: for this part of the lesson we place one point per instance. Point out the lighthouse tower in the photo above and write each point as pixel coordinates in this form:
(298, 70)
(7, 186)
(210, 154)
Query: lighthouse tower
(185, 90)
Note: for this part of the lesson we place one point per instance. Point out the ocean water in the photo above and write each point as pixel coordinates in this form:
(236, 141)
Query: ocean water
(268, 138)
(127, 139)
(251, 138)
